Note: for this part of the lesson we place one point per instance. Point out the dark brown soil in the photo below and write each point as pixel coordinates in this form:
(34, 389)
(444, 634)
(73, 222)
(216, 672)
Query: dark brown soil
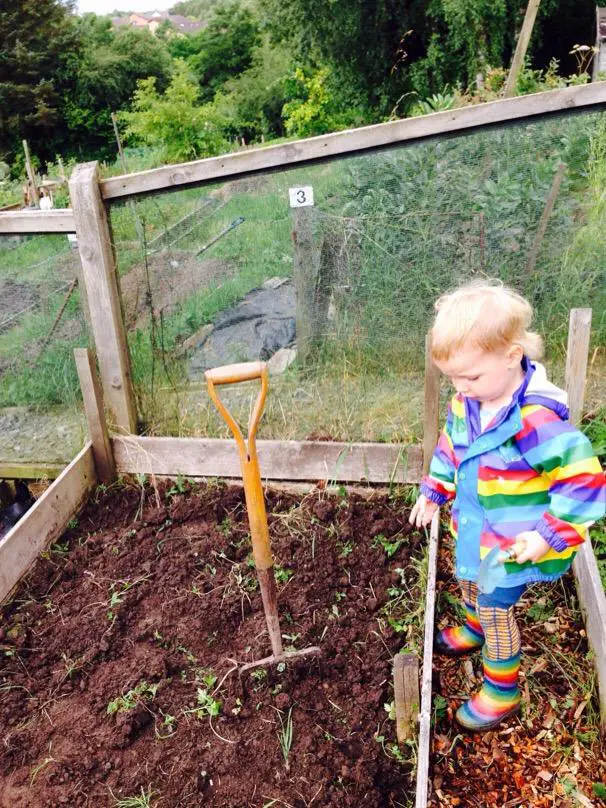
(152, 591)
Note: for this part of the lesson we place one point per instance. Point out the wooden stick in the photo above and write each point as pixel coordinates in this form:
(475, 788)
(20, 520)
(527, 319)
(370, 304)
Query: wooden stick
(543, 221)
(31, 174)
(579, 333)
(406, 694)
(95, 417)
(521, 48)
(431, 416)
(305, 271)
(68, 294)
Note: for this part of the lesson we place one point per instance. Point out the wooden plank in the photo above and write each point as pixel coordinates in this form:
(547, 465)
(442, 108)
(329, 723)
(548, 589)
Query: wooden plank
(287, 155)
(589, 584)
(305, 273)
(46, 520)
(593, 604)
(425, 717)
(579, 333)
(279, 460)
(522, 46)
(99, 281)
(431, 411)
(406, 695)
(10, 470)
(95, 417)
(37, 221)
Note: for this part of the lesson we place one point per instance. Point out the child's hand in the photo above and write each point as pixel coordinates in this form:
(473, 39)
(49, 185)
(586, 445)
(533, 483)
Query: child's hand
(535, 548)
(422, 512)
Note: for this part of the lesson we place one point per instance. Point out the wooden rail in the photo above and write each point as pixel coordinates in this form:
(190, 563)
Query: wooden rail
(352, 141)
(279, 460)
(37, 221)
(46, 520)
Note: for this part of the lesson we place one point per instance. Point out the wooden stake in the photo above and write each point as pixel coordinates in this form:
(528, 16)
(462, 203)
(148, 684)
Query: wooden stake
(95, 417)
(579, 333)
(521, 47)
(431, 417)
(406, 693)
(543, 221)
(31, 174)
(131, 203)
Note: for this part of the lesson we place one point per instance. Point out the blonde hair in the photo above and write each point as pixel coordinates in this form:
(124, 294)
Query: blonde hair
(485, 315)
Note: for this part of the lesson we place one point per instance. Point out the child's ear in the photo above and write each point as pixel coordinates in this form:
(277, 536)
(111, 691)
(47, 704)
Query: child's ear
(514, 355)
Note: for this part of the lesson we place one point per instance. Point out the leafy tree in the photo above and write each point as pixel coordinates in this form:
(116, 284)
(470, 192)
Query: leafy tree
(252, 102)
(103, 77)
(314, 109)
(37, 37)
(222, 50)
(175, 120)
(200, 9)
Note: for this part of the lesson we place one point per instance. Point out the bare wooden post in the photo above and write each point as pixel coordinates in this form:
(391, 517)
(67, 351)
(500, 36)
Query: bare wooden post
(431, 412)
(95, 417)
(521, 47)
(406, 694)
(305, 265)
(589, 586)
(99, 277)
(543, 221)
(579, 332)
(31, 174)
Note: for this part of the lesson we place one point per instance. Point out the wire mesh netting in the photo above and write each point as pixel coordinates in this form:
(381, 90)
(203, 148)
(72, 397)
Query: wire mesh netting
(41, 321)
(339, 295)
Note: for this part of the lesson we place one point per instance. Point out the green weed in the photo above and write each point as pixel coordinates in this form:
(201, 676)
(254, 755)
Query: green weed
(123, 704)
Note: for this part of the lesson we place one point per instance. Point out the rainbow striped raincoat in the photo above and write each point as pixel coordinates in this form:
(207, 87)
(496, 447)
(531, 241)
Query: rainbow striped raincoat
(528, 470)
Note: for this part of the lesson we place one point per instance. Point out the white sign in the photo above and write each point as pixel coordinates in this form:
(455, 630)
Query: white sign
(301, 197)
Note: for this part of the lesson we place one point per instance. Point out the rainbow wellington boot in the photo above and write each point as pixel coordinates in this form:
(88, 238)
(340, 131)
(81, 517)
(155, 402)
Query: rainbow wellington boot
(459, 640)
(497, 699)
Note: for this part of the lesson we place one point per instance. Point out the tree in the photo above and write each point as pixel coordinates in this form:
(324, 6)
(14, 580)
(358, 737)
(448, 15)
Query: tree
(102, 79)
(175, 120)
(224, 49)
(37, 37)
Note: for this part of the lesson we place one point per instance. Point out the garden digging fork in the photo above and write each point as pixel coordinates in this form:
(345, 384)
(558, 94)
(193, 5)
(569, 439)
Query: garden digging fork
(255, 502)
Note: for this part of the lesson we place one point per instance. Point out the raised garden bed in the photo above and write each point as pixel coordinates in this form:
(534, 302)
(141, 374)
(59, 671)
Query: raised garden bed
(119, 646)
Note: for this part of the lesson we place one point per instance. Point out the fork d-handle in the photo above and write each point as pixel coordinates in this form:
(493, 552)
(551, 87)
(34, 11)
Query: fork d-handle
(253, 488)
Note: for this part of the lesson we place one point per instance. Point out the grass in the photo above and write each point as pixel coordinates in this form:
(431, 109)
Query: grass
(143, 800)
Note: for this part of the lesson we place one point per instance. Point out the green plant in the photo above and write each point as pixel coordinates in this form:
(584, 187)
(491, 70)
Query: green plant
(143, 800)
(285, 736)
(282, 574)
(390, 547)
(207, 705)
(142, 692)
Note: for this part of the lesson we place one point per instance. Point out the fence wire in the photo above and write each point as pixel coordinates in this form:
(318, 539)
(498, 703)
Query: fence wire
(41, 322)
(339, 295)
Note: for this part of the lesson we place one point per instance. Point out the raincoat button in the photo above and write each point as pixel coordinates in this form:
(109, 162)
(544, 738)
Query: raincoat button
(462, 475)
(464, 520)
(462, 569)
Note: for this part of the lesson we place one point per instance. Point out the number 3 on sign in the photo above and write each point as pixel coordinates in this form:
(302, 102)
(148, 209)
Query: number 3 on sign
(301, 197)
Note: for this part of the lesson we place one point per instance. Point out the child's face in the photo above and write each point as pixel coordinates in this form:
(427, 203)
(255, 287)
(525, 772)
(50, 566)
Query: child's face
(488, 377)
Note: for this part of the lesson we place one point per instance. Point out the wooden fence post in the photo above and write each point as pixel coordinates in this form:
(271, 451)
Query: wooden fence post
(95, 417)
(431, 409)
(579, 332)
(305, 271)
(589, 585)
(31, 174)
(521, 48)
(99, 280)
(544, 221)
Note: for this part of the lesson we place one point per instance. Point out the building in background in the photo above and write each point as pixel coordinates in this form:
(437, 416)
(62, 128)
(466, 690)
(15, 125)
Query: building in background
(153, 19)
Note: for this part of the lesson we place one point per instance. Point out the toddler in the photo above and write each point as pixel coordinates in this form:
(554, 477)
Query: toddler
(517, 473)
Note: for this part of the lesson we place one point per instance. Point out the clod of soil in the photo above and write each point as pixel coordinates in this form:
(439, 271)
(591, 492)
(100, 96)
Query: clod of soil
(118, 672)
